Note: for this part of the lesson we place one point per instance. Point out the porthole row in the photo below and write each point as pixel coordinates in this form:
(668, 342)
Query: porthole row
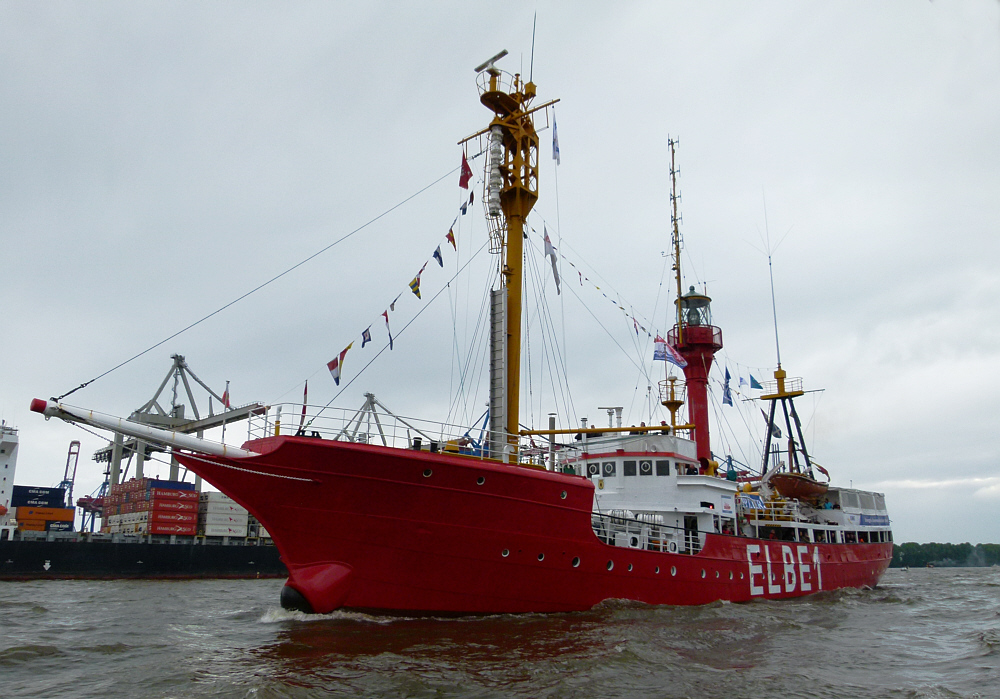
(610, 566)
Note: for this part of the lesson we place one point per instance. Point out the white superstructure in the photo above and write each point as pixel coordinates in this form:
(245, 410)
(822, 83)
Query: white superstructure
(8, 463)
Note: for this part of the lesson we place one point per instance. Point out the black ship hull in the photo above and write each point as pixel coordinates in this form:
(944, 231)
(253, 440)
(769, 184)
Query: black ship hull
(112, 560)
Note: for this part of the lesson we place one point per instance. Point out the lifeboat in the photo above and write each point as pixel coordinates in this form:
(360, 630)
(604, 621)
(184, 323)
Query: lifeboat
(798, 486)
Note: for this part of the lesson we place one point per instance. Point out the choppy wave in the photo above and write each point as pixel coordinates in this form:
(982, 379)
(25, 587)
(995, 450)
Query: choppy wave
(924, 633)
(27, 653)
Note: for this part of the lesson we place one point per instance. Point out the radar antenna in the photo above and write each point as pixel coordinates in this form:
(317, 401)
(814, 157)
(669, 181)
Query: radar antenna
(488, 64)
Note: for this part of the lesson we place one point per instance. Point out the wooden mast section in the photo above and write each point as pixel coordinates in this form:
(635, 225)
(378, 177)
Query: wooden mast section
(511, 192)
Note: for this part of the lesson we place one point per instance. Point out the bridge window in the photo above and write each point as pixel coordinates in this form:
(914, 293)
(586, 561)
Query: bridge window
(593, 469)
(609, 468)
(662, 468)
(628, 468)
(646, 468)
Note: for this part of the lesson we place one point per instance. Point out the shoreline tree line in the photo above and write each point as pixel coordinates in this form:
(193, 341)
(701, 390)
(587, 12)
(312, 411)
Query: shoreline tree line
(966, 555)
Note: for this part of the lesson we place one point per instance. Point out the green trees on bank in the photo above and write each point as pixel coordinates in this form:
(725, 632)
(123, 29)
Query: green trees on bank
(944, 555)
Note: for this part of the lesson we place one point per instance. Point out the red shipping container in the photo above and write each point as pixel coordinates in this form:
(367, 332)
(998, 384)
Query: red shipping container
(173, 517)
(174, 506)
(178, 529)
(172, 494)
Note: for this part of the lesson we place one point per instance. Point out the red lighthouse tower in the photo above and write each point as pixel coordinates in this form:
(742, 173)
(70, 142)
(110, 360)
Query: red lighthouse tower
(697, 340)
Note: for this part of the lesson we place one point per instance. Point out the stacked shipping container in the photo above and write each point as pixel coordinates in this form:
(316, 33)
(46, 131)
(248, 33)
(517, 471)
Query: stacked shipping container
(219, 515)
(40, 509)
(150, 506)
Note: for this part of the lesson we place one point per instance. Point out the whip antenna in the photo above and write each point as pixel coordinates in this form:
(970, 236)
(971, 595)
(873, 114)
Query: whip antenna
(531, 65)
(770, 271)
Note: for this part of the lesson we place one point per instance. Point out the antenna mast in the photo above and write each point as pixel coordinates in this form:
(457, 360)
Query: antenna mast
(770, 271)
(774, 309)
(676, 237)
(531, 66)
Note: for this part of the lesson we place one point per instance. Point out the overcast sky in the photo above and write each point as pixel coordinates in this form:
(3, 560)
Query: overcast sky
(159, 160)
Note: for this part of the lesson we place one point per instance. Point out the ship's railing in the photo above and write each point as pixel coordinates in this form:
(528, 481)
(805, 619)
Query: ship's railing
(645, 533)
(504, 82)
(792, 385)
(370, 426)
(700, 334)
(776, 511)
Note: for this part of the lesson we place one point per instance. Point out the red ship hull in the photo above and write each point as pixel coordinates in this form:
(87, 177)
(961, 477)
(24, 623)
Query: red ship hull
(369, 527)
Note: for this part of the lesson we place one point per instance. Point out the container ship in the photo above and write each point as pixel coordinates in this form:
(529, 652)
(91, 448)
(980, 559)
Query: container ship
(151, 529)
(379, 518)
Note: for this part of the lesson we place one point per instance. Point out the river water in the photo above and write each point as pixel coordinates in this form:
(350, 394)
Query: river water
(922, 633)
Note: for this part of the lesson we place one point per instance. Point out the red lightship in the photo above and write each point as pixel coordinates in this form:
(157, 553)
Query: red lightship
(449, 526)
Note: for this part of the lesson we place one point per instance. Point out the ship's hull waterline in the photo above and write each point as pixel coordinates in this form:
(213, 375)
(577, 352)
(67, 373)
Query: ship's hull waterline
(369, 527)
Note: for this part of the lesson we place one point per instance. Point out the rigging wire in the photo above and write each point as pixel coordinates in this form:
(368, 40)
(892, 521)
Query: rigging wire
(527, 354)
(261, 286)
(730, 441)
(569, 286)
(547, 321)
(548, 330)
(423, 308)
(464, 371)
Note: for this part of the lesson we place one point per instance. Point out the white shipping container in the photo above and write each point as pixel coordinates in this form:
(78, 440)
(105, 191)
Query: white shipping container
(262, 533)
(221, 508)
(222, 530)
(229, 520)
(214, 497)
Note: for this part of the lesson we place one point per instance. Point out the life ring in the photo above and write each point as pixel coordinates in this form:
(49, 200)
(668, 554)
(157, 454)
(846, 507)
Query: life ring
(672, 547)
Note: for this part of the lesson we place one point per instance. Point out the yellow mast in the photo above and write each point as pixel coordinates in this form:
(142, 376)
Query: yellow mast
(512, 189)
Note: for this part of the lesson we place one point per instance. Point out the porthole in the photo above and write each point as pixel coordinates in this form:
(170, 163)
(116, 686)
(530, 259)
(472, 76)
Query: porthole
(541, 557)
(611, 565)
(730, 575)
(673, 570)
(657, 570)
(480, 480)
(576, 561)
(703, 574)
(741, 576)
(716, 575)
(427, 473)
(505, 553)
(630, 567)
(562, 495)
